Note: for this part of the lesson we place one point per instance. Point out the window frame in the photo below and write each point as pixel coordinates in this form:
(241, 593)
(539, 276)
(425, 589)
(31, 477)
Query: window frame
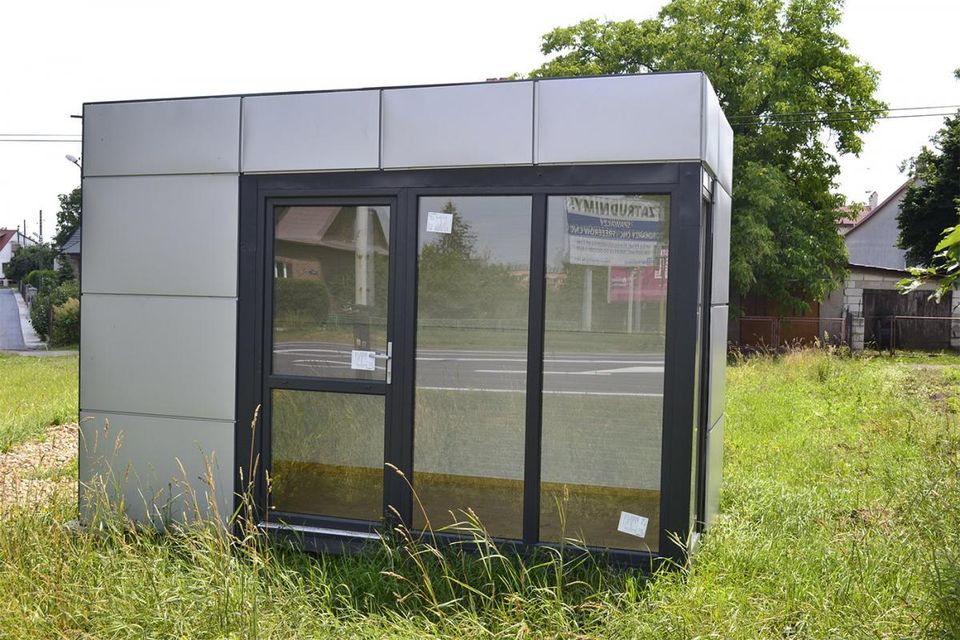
(679, 180)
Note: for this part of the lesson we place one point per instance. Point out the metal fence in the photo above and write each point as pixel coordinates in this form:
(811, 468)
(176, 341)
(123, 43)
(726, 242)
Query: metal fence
(782, 331)
(880, 332)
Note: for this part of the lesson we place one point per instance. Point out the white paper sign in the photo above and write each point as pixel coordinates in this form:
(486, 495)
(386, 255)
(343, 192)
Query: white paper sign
(632, 524)
(438, 222)
(363, 360)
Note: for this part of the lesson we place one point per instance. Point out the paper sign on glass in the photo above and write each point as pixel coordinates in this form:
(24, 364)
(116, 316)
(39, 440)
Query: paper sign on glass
(438, 222)
(632, 524)
(363, 360)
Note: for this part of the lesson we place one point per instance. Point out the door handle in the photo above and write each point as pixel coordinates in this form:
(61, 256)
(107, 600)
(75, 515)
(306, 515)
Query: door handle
(388, 357)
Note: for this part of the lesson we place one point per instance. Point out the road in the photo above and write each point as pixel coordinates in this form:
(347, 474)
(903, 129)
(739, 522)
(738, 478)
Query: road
(493, 371)
(10, 335)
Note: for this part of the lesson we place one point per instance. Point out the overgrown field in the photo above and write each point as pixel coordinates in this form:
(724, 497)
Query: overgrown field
(35, 392)
(841, 519)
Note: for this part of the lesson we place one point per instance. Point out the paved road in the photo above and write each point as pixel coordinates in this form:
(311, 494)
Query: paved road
(495, 371)
(10, 334)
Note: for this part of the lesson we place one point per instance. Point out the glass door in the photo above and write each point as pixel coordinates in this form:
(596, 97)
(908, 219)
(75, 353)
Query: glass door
(329, 362)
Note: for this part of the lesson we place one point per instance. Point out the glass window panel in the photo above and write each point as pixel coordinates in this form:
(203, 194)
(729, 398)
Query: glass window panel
(474, 266)
(330, 289)
(606, 294)
(327, 454)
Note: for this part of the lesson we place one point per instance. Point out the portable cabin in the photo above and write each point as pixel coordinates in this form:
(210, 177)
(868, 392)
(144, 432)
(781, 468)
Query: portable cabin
(499, 302)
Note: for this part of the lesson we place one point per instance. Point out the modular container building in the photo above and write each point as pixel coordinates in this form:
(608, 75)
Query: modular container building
(500, 301)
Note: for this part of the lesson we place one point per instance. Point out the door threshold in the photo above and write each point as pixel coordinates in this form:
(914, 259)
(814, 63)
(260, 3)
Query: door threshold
(323, 531)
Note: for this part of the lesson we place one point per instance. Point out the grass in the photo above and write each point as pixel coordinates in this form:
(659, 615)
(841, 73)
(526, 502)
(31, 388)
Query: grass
(35, 392)
(840, 519)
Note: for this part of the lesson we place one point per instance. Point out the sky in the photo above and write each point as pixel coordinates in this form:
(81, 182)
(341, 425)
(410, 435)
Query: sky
(54, 56)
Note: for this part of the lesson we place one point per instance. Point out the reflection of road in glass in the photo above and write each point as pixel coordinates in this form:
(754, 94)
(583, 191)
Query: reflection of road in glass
(499, 371)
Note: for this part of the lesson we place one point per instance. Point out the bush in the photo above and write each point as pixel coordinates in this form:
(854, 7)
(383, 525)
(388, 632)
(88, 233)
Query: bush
(42, 279)
(65, 270)
(301, 300)
(40, 309)
(29, 258)
(66, 324)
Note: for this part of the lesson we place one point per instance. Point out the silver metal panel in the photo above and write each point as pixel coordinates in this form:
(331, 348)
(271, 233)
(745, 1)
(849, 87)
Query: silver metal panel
(468, 125)
(312, 132)
(712, 115)
(158, 355)
(170, 235)
(644, 118)
(725, 154)
(166, 470)
(718, 361)
(720, 270)
(714, 475)
(171, 136)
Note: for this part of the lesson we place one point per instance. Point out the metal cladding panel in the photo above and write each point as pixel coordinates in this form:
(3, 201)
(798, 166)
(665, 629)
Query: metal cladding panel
(173, 136)
(138, 458)
(469, 125)
(725, 154)
(712, 115)
(169, 235)
(645, 118)
(718, 361)
(312, 132)
(714, 475)
(720, 271)
(158, 355)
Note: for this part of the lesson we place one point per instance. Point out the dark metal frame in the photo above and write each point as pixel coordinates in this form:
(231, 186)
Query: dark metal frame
(681, 181)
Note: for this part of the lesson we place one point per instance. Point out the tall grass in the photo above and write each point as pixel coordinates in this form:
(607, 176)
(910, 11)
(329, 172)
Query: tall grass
(35, 392)
(840, 518)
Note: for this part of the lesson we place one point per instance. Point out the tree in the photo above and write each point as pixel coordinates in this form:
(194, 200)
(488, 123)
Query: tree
(456, 280)
(791, 91)
(930, 202)
(35, 257)
(68, 217)
(933, 200)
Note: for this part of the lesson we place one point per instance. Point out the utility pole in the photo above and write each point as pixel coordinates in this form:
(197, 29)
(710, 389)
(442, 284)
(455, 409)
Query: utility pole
(41, 226)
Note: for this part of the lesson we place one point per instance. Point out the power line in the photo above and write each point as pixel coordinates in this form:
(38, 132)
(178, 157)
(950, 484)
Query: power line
(786, 114)
(40, 135)
(831, 120)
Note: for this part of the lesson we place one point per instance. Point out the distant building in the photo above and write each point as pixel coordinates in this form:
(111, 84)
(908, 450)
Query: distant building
(71, 251)
(10, 241)
(868, 300)
(877, 264)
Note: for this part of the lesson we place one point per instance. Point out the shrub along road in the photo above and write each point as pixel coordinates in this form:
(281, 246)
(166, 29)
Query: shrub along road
(840, 519)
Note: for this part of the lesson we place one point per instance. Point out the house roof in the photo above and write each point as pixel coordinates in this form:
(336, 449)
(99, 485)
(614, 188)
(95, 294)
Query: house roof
(849, 220)
(72, 245)
(869, 214)
(6, 235)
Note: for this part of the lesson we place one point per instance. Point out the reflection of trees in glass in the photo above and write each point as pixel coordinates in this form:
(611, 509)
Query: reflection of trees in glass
(458, 280)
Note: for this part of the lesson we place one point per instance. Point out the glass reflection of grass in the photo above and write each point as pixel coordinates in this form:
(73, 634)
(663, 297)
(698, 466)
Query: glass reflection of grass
(590, 514)
(601, 452)
(327, 453)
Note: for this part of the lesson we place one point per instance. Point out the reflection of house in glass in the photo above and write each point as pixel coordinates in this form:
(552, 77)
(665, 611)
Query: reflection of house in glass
(330, 274)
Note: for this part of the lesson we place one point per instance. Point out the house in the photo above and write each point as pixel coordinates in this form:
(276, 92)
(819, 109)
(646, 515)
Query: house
(868, 308)
(10, 241)
(71, 251)
(870, 292)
